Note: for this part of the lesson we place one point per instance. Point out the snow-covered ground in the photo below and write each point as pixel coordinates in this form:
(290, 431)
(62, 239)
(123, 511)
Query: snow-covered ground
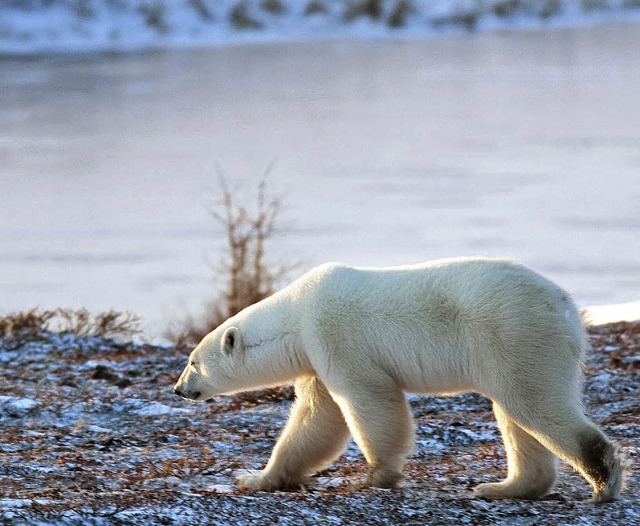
(28, 27)
(91, 434)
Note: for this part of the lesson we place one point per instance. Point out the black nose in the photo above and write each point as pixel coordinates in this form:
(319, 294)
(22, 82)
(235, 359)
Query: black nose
(177, 391)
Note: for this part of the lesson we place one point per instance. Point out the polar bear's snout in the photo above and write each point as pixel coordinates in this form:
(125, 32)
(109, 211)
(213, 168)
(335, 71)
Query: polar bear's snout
(187, 387)
(189, 395)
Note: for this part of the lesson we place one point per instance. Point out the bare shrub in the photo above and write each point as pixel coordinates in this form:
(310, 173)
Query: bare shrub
(273, 7)
(549, 8)
(250, 280)
(398, 16)
(594, 5)
(84, 9)
(155, 16)
(505, 8)
(25, 323)
(200, 7)
(28, 324)
(315, 7)
(467, 20)
(105, 324)
(241, 19)
(363, 8)
(247, 276)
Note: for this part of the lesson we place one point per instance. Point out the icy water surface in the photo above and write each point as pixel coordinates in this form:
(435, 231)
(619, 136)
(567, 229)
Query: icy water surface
(519, 144)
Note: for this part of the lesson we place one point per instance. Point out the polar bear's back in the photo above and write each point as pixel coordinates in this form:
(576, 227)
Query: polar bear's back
(476, 287)
(445, 319)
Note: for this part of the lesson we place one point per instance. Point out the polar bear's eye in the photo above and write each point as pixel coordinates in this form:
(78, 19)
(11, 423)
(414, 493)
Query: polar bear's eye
(193, 365)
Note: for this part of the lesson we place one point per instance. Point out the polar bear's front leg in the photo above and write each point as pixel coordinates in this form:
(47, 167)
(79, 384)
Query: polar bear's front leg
(381, 423)
(314, 436)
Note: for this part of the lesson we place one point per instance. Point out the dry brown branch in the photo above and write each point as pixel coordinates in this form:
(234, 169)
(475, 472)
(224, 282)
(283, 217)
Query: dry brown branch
(247, 275)
(25, 323)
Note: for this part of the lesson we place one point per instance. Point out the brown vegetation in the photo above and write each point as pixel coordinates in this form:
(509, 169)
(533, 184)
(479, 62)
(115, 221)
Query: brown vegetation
(247, 275)
(241, 19)
(81, 322)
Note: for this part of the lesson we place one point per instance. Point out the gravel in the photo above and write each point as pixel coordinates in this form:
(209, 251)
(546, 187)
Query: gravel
(91, 434)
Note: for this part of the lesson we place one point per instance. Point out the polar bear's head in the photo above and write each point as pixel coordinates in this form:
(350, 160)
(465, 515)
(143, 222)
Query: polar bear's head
(256, 348)
(213, 365)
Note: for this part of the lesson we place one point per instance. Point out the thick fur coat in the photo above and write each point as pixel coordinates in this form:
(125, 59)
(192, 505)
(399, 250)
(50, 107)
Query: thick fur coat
(355, 340)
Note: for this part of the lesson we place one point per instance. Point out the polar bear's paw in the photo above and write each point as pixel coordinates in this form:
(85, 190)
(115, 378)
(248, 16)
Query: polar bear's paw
(263, 482)
(493, 490)
(510, 490)
(256, 481)
(381, 478)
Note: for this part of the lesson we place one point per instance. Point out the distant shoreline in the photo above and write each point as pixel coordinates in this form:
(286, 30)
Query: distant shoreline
(102, 26)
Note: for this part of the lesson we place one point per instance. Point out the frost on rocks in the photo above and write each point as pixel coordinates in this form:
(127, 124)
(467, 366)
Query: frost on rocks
(17, 407)
(150, 408)
(91, 434)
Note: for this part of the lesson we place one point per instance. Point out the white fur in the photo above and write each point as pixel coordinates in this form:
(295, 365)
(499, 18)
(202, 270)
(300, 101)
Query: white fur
(354, 340)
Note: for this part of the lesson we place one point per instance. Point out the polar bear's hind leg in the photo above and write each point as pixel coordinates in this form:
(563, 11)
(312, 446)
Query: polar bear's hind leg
(568, 433)
(531, 466)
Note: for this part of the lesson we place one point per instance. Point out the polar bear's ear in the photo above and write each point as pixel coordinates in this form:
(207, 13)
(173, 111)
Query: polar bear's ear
(231, 340)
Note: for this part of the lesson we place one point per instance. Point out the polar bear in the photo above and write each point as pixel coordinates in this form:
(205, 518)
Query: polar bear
(355, 340)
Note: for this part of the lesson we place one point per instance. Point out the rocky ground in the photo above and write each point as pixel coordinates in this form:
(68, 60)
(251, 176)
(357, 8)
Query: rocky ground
(91, 434)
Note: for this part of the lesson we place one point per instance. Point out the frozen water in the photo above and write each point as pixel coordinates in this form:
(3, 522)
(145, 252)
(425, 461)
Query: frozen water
(517, 144)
